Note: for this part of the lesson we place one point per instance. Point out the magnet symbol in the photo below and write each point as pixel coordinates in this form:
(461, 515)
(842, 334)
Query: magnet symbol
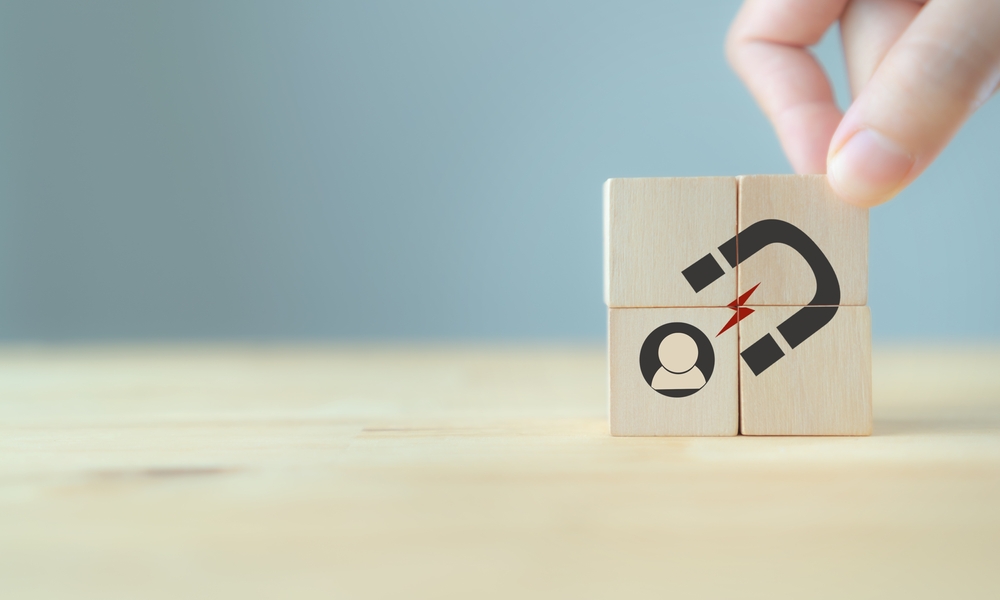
(800, 326)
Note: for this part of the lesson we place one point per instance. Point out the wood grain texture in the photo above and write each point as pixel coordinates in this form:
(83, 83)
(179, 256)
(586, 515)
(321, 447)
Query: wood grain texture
(657, 227)
(430, 471)
(636, 409)
(821, 387)
(808, 202)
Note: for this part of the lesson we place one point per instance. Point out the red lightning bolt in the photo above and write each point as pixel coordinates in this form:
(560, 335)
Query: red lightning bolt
(741, 311)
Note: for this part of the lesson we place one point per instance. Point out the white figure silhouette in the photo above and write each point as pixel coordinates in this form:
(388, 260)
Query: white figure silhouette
(678, 353)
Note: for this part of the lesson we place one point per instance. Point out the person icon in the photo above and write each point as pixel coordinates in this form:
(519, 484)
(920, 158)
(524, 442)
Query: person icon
(678, 354)
(676, 359)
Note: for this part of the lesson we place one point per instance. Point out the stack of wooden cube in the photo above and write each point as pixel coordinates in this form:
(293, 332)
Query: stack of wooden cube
(736, 305)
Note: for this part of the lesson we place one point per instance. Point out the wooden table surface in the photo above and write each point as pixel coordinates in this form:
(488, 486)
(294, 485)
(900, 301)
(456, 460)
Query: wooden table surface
(474, 472)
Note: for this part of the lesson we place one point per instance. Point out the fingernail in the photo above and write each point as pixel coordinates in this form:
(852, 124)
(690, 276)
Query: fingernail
(869, 168)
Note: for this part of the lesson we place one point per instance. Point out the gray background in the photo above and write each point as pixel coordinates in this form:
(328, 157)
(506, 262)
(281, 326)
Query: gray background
(260, 170)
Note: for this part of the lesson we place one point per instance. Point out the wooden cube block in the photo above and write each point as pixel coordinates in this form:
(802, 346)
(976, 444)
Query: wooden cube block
(793, 232)
(794, 383)
(661, 239)
(671, 372)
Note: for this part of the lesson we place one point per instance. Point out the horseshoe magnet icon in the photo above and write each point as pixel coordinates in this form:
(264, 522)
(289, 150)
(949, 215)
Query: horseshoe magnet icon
(808, 320)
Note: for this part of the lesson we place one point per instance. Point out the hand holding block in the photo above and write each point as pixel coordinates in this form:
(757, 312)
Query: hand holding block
(821, 386)
(655, 228)
(774, 259)
(670, 373)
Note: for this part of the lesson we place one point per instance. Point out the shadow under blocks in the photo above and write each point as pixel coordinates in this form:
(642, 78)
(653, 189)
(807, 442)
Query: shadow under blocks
(736, 305)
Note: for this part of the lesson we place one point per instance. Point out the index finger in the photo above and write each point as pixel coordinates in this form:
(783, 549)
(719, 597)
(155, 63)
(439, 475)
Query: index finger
(767, 46)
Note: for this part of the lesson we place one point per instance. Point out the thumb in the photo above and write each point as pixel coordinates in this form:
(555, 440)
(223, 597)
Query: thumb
(943, 67)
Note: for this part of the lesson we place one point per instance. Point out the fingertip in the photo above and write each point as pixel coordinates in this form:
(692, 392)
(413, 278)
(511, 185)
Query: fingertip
(805, 132)
(868, 168)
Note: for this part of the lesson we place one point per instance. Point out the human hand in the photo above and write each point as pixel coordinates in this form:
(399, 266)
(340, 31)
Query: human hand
(917, 69)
